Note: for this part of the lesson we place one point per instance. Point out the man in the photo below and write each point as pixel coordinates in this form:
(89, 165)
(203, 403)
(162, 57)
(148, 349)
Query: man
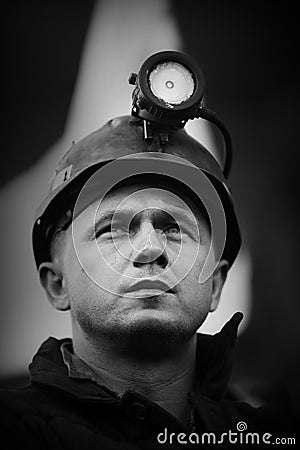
(122, 242)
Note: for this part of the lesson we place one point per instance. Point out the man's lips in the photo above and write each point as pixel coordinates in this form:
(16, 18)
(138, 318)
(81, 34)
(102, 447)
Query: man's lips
(150, 285)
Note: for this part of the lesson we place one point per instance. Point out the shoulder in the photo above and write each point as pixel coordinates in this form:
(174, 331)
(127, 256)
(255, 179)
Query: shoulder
(227, 414)
(265, 418)
(31, 402)
(16, 412)
(22, 399)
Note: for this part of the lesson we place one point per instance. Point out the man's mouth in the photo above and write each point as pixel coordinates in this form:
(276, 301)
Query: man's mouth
(150, 287)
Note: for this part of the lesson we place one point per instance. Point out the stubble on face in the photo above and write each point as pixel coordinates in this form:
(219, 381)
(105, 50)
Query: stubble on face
(144, 335)
(100, 314)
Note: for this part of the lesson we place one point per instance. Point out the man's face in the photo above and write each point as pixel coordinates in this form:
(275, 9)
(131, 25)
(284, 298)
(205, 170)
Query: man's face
(137, 273)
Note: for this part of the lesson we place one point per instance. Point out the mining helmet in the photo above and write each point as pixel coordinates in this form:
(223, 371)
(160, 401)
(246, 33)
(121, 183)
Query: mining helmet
(154, 131)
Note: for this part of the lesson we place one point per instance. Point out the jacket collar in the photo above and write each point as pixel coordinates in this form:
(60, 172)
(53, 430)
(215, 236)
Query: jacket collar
(215, 357)
(214, 362)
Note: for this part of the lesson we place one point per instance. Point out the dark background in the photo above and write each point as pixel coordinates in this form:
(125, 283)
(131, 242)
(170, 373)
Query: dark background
(250, 58)
(249, 54)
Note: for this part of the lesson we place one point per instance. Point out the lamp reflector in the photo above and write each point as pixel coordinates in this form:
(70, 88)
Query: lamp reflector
(172, 83)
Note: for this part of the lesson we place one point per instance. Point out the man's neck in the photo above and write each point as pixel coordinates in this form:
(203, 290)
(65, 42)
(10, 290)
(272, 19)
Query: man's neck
(165, 380)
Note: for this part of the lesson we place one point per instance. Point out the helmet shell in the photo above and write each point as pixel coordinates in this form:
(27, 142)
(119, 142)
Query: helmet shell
(119, 137)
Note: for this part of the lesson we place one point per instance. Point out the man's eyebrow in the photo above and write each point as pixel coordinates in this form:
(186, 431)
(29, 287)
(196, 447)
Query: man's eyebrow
(107, 217)
(179, 212)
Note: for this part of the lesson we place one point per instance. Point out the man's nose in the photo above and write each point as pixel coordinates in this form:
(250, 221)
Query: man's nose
(149, 246)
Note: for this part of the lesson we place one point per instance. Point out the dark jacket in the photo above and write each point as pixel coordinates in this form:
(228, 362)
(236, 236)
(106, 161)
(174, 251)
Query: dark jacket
(58, 412)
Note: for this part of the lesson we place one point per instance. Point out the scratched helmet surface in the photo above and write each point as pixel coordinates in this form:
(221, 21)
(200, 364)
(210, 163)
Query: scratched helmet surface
(118, 138)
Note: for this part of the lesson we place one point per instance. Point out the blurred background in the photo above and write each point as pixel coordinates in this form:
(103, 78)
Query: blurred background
(66, 65)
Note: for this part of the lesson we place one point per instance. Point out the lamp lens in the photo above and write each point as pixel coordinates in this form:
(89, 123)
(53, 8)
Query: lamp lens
(172, 83)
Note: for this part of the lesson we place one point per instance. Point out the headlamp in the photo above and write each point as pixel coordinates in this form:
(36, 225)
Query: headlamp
(169, 89)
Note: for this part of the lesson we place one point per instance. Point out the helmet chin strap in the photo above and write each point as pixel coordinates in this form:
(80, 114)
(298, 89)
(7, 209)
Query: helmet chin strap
(211, 116)
(154, 132)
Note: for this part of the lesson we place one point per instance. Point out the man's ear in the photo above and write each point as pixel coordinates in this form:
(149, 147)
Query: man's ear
(53, 282)
(218, 280)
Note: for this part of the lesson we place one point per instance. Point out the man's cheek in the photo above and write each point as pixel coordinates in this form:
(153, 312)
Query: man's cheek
(187, 261)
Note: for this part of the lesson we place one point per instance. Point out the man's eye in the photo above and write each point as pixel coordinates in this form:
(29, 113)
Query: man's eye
(100, 231)
(109, 231)
(172, 229)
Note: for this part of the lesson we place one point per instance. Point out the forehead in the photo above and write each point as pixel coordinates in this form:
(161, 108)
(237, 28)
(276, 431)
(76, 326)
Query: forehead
(141, 196)
(148, 196)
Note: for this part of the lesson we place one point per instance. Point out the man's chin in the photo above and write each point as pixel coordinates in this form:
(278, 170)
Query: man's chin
(152, 326)
(143, 329)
